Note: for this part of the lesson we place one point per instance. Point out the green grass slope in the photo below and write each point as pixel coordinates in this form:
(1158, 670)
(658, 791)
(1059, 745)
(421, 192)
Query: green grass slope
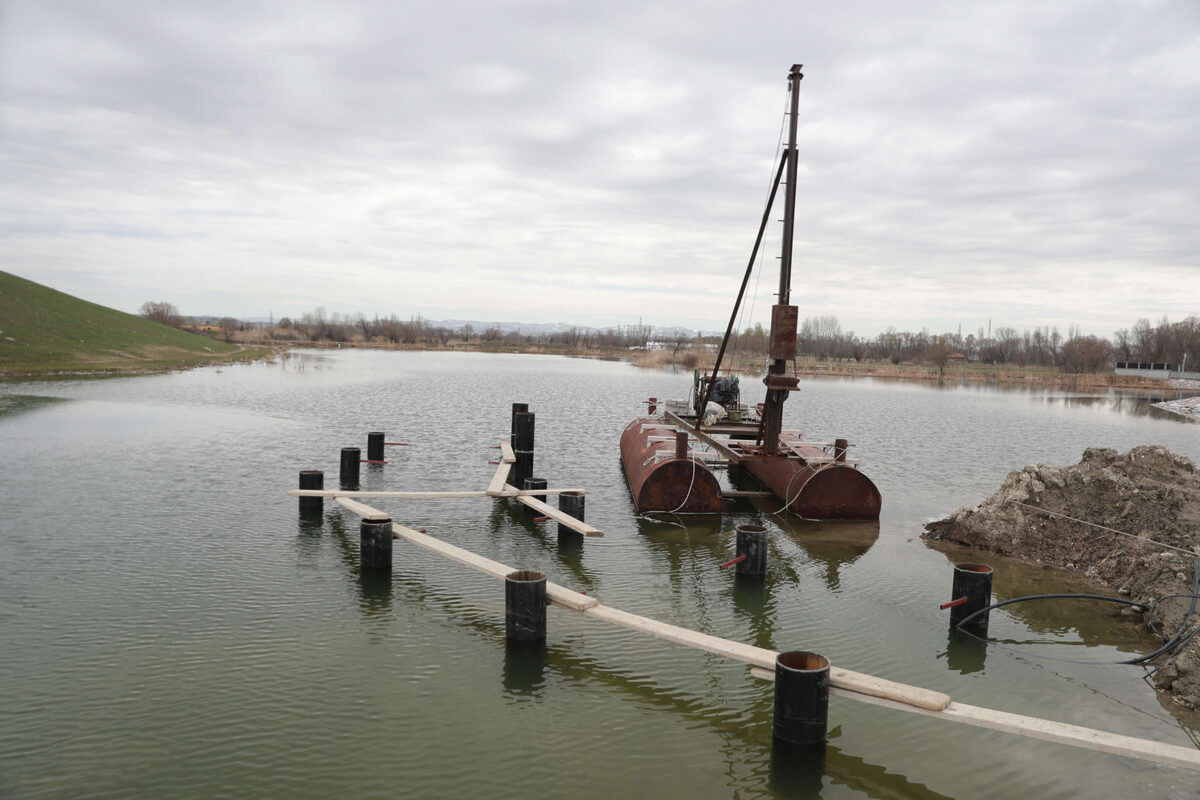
(43, 330)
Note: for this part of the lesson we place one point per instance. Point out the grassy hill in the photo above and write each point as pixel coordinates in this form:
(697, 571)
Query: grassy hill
(43, 331)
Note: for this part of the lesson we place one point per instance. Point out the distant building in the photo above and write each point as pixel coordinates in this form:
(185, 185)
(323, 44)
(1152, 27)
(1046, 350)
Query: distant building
(1158, 371)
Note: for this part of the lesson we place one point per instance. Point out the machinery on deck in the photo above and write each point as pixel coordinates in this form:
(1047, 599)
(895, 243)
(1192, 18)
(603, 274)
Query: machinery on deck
(669, 458)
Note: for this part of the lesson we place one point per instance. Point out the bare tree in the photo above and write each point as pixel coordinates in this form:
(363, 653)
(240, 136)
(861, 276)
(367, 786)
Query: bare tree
(1086, 354)
(163, 312)
(938, 354)
(229, 327)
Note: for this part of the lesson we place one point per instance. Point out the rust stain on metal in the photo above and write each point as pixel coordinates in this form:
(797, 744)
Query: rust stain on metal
(659, 480)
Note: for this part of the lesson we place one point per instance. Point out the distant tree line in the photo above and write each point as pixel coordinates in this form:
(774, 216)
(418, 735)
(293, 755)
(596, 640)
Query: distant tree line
(822, 338)
(819, 337)
(317, 326)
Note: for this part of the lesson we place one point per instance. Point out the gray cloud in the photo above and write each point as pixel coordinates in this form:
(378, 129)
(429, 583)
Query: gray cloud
(1024, 162)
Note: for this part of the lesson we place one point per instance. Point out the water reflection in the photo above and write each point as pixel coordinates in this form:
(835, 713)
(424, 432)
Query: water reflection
(965, 653)
(308, 538)
(684, 555)
(524, 668)
(375, 592)
(853, 772)
(833, 544)
(374, 586)
(1120, 403)
(13, 404)
(506, 517)
(1093, 622)
(797, 770)
(753, 603)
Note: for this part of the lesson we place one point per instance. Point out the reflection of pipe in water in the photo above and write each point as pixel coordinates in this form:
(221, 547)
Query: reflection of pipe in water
(965, 653)
(375, 587)
(798, 770)
(752, 600)
(524, 676)
(524, 668)
(1095, 623)
(568, 547)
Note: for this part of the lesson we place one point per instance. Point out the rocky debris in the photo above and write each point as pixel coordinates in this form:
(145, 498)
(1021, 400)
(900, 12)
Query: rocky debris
(1149, 493)
(1188, 406)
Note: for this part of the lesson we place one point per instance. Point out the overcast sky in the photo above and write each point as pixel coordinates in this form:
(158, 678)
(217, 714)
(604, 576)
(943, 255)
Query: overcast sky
(1029, 163)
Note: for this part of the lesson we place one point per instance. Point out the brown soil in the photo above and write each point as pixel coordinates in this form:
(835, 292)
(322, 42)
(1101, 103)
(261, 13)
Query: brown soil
(1148, 493)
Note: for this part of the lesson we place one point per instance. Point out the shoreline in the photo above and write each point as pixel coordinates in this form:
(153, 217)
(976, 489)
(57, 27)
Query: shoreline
(246, 353)
(957, 374)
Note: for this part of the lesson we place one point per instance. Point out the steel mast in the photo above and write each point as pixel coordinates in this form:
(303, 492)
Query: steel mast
(783, 314)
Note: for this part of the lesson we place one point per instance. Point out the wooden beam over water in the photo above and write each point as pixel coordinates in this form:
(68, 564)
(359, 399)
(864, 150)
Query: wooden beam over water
(711, 441)
(553, 513)
(843, 683)
(509, 491)
(1036, 728)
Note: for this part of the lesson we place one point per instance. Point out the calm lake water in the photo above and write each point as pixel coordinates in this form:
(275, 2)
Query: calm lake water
(169, 627)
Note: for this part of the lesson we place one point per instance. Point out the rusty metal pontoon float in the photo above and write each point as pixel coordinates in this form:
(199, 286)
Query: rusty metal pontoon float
(668, 459)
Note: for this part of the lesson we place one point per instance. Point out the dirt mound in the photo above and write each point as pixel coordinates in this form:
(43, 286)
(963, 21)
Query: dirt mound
(1149, 493)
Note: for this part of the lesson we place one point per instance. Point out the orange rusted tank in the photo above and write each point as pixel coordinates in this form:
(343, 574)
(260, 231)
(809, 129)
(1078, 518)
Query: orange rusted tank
(662, 479)
(818, 490)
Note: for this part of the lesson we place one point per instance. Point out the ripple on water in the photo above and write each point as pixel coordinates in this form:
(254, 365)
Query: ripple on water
(171, 628)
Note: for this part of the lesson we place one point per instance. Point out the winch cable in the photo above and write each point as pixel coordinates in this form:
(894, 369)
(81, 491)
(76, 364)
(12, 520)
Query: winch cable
(787, 490)
(691, 483)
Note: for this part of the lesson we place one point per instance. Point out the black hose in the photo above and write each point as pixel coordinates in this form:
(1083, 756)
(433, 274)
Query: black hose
(1176, 641)
(1003, 603)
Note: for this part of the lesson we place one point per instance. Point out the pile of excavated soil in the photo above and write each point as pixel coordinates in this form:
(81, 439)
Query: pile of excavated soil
(1148, 492)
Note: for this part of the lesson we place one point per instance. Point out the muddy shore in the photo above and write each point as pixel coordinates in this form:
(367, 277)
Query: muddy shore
(1142, 543)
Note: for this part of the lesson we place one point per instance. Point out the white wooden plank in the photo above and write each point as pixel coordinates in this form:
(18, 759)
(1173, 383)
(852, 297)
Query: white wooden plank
(411, 495)
(554, 514)
(510, 491)
(673, 633)
(364, 511)
(506, 453)
(496, 487)
(843, 683)
(1033, 727)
